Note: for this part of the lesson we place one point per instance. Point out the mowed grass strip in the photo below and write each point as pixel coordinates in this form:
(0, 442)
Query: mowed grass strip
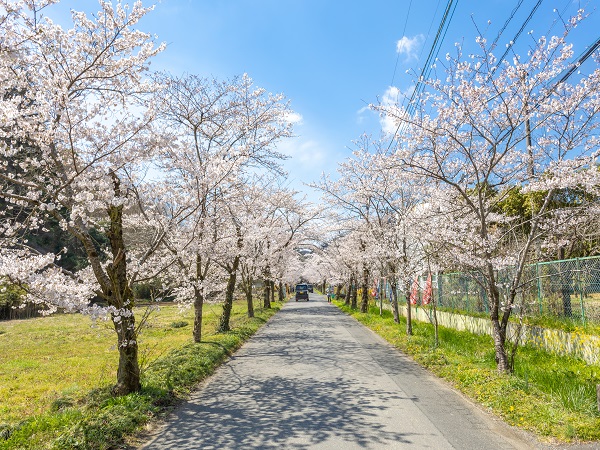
(552, 396)
(56, 373)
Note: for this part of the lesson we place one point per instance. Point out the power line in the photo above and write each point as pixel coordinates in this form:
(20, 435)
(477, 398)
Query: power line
(512, 15)
(514, 39)
(451, 6)
(580, 60)
(403, 34)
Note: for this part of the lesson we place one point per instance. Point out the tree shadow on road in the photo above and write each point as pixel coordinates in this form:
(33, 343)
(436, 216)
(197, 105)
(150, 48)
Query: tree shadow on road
(279, 414)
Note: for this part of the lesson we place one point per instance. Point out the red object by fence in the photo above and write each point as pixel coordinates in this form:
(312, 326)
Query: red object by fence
(428, 293)
(414, 292)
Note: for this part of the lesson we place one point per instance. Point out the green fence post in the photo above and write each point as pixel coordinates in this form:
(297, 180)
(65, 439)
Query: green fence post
(467, 288)
(439, 289)
(580, 287)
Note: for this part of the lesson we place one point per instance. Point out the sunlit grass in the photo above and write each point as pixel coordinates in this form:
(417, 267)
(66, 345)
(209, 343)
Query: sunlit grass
(56, 373)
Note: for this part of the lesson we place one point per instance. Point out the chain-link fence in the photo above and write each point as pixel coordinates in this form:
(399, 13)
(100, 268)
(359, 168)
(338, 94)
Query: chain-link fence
(565, 289)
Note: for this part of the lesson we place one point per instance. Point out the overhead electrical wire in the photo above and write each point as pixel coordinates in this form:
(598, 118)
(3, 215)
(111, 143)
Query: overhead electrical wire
(514, 39)
(435, 47)
(510, 18)
(403, 34)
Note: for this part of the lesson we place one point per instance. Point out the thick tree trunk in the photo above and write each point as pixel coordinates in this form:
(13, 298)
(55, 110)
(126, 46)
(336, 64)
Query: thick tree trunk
(128, 372)
(272, 289)
(281, 296)
(121, 297)
(364, 304)
(228, 305)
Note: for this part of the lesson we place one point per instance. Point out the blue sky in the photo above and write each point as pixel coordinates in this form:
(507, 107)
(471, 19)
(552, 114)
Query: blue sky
(332, 58)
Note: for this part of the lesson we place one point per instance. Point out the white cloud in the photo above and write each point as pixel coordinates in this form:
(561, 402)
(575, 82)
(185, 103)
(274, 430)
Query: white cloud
(409, 46)
(391, 96)
(392, 101)
(294, 118)
(361, 113)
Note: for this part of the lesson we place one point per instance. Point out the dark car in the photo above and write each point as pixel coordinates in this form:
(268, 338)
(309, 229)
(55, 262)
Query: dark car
(310, 288)
(301, 292)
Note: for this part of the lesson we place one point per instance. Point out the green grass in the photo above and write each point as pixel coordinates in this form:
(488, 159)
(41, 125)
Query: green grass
(552, 396)
(56, 374)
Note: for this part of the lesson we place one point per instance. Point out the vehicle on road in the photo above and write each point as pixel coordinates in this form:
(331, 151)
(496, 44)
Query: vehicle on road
(301, 292)
(310, 288)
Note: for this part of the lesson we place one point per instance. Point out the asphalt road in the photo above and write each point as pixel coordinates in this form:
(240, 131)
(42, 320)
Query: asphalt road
(314, 378)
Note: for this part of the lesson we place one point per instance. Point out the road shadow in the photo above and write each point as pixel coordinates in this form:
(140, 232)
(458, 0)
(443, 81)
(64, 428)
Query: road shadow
(279, 413)
(309, 388)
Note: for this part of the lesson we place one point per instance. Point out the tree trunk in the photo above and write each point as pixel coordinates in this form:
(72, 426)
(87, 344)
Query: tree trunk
(498, 329)
(348, 292)
(249, 298)
(121, 297)
(395, 308)
(198, 302)
(272, 289)
(228, 305)
(128, 372)
(198, 306)
(281, 296)
(409, 330)
(364, 305)
(354, 293)
(267, 294)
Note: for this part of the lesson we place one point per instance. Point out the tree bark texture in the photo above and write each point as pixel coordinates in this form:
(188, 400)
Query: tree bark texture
(120, 296)
(364, 304)
(354, 293)
(198, 306)
(347, 293)
(498, 328)
(228, 305)
(267, 294)
(249, 299)
(198, 302)
(395, 309)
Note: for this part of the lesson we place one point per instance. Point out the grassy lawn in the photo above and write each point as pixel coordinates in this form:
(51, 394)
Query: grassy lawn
(56, 373)
(552, 396)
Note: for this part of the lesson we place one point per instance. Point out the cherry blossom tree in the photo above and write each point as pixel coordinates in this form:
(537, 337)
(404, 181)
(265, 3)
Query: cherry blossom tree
(74, 128)
(221, 131)
(491, 126)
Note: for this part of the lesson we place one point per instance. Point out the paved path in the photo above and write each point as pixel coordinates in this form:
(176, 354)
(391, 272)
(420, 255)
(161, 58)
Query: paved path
(315, 378)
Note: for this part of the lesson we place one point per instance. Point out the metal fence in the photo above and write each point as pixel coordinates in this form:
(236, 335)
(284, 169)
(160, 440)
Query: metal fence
(565, 289)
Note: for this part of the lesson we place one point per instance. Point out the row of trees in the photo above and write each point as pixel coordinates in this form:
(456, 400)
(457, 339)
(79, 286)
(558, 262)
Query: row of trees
(153, 177)
(493, 166)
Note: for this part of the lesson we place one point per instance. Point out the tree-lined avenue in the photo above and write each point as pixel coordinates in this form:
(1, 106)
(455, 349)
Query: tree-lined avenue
(315, 378)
